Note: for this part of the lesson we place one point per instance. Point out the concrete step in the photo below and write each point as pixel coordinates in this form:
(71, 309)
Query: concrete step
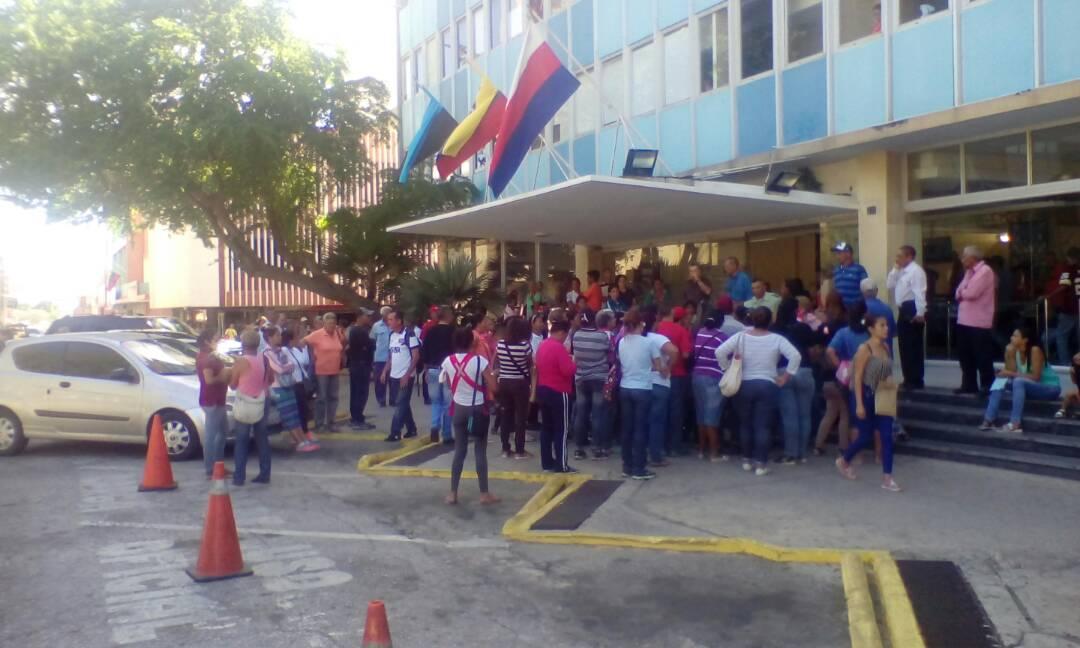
(945, 397)
(1058, 445)
(912, 412)
(1027, 462)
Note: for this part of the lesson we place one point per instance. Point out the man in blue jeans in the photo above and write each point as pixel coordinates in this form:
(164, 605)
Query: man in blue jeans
(590, 348)
(359, 353)
(380, 332)
(400, 373)
(659, 411)
(438, 343)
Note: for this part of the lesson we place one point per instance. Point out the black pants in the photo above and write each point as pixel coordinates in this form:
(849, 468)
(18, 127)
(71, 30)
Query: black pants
(514, 405)
(303, 405)
(380, 386)
(976, 349)
(359, 379)
(555, 417)
(911, 345)
(464, 417)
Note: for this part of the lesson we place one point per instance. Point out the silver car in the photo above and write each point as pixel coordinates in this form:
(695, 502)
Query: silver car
(100, 387)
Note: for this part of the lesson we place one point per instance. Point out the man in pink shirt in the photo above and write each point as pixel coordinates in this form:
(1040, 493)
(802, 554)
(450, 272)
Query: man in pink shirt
(554, 383)
(975, 321)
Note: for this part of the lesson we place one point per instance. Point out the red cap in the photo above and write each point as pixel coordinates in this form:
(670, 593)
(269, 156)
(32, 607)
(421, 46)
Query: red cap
(725, 305)
(678, 313)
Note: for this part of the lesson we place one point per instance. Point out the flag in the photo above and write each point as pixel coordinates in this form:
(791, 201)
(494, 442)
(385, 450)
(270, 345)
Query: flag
(434, 129)
(542, 88)
(475, 131)
(114, 279)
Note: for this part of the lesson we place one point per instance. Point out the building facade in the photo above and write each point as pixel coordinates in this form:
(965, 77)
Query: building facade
(946, 122)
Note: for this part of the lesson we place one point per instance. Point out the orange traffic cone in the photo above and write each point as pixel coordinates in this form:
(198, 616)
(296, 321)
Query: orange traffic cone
(157, 475)
(376, 628)
(219, 555)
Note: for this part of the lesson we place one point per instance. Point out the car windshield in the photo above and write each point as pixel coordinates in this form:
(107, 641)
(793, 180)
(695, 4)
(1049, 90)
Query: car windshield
(168, 358)
(174, 325)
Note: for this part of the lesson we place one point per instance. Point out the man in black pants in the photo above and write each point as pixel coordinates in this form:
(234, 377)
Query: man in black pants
(907, 281)
(360, 352)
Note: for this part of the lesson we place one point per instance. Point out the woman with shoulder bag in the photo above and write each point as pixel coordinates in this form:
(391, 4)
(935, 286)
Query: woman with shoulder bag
(304, 383)
(514, 366)
(282, 394)
(873, 401)
(251, 380)
(470, 379)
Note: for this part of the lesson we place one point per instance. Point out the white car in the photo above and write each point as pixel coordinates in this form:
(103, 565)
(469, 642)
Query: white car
(101, 387)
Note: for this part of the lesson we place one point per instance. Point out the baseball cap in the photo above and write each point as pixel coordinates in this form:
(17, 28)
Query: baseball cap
(678, 313)
(588, 317)
(365, 311)
(867, 284)
(842, 246)
(725, 304)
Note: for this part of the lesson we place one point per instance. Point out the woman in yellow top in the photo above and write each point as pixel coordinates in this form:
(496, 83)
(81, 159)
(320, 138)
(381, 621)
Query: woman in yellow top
(1026, 374)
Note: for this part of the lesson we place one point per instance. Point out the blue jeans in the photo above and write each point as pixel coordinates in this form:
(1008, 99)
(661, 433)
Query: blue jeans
(244, 433)
(590, 412)
(400, 396)
(658, 421)
(866, 427)
(708, 401)
(1022, 389)
(440, 403)
(756, 404)
(673, 442)
(634, 405)
(213, 441)
(1065, 335)
(796, 398)
(380, 387)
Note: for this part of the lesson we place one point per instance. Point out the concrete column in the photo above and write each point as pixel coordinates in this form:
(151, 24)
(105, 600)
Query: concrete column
(883, 224)
(581, 263)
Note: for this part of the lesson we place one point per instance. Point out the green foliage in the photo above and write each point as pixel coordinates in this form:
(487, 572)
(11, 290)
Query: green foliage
(206, 115)
(453, 282)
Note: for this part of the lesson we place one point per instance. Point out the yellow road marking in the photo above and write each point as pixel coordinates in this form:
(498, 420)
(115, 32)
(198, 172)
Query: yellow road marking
(862, 623)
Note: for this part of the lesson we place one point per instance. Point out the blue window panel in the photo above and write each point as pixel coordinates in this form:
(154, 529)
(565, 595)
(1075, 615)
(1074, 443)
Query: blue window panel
(559, 32)
(1061, 53)
(405, 29)
(613, 147)
(417, 28)
(581, 17)
(806, 110)
(513, 53)
(480, 179)
(585, 155)
(474, 78)
(641, 19)
(998, 41)
(431, 17)
(446, 96)
(671, 12)
(713, 125)
(462, 97)
(496, 66)
(676, 138)
(406, 124)
(557, 174)
(644, 135)
(458, 7)
(610, 19)
(859, 87)
(923, 68)
(444, 13)
(702, 5)
(757, 115)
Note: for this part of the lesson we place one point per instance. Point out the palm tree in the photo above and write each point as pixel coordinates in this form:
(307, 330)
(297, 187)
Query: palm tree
(454, 282)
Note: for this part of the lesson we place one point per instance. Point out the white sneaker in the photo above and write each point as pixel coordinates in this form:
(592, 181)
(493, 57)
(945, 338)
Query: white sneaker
(747, 466)
(761, 472)
(1013, 428)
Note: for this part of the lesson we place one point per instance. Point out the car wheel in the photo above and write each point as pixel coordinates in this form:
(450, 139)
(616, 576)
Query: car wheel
(12, 440)
(181, 438)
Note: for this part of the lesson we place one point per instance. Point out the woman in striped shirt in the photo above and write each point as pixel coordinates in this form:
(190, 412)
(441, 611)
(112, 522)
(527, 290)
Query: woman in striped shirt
(514, 367)
(708, 401)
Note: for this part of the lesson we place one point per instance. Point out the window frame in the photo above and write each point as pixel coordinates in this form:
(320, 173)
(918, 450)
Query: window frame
(461, 50)
(657, 71)
(449, 63)
(894, 18)
(621, 106)
(786, 29)
(834, 23)
(691, 47)
(739, 34)
(40, 347)
(74, 344)
(407, 74)
(696, 34)
(478, 42)
(499, 29)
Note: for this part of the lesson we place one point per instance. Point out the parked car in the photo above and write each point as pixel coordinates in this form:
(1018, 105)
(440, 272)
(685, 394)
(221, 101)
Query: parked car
(101, 387)
(91, 323)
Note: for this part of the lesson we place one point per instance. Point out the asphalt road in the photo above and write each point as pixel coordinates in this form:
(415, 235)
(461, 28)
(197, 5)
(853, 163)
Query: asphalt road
(87, 561)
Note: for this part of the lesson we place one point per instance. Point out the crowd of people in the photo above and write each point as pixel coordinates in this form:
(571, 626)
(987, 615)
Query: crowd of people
(734, 371)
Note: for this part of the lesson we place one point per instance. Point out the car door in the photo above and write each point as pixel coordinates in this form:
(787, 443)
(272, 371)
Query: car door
(38, 368)
(99, 395)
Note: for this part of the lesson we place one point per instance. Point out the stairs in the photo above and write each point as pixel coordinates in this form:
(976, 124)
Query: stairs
(943, 425)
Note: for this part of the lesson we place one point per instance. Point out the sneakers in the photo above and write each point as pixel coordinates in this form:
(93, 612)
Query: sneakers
(818, 452)
(844, 469)
(307, 446)
(761, 471)
(747, 466)
(660, 464)
(363, 425)
(580, 455)
(645, 476)
(506, 454)
(889, 484)
(719, 458)
(1014, 428)
(1060, 414)
(410, 434)
(391, 438)
(787, 461)
(986, 426)
(524, 454)
(569, 470)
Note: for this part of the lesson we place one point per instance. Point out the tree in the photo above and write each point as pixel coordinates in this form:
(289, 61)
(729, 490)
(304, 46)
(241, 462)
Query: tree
(454, 282)
(206, 115)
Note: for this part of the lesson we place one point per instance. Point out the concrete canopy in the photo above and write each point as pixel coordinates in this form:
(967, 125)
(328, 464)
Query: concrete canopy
(607, 211)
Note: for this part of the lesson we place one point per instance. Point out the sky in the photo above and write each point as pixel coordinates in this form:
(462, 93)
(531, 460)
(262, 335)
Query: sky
(60, 262)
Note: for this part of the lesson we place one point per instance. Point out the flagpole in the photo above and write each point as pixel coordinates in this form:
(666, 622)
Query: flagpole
(630, 130)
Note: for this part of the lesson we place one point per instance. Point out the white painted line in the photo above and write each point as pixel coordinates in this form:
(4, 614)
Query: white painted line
(473, 543)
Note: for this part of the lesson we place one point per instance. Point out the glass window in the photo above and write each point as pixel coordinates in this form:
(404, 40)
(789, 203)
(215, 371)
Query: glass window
(859, 18)
(409, 72)
(713, 47)
(678, 76)
(1056, 153)
(643, 79)
(757, 32)
(162, 358)
(805, 28)
(496, 16)
(611, 85)
(44, 358)
(558, 5)
(915, 9)
(431, 48)
(516, 18)
(88, 360)
(449, 58)
(479, 40)
(462, 40)
(996, 163)
(419, 71)
(935, 173)
(585, 105)
(560, 126)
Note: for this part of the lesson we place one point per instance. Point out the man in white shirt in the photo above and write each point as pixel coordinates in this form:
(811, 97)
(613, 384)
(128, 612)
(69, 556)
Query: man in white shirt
(907, 282)
(399, 374)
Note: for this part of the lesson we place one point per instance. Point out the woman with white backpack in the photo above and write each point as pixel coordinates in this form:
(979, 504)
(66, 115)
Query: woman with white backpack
(752, 379)
(471, 382)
